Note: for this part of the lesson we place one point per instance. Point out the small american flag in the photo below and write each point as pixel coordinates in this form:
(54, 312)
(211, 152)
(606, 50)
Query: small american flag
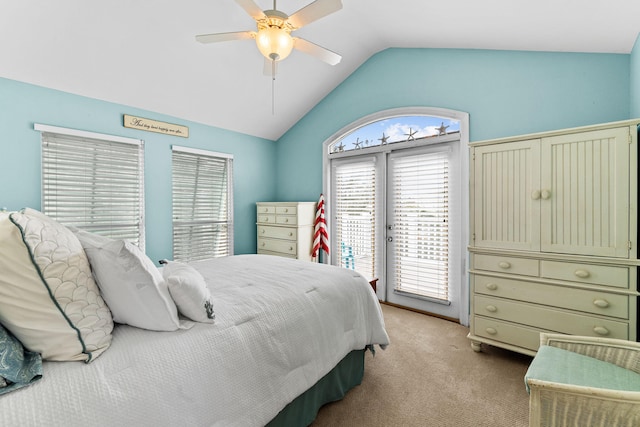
(321, 236)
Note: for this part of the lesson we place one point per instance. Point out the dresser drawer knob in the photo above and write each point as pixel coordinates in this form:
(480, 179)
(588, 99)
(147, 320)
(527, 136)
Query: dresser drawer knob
(601, 330)
(492, 286)
(263, 231)
(535, 195)
(491, 331)
(286, 220)
(291, 248)
(286, 209)
(601, 303)
(546, 194)
(290, 234)
(491, 308)
(504, 265)
(264, 244)
(583, 274)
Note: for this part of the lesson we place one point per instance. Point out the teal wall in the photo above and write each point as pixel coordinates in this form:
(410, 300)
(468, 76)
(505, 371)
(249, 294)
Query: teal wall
(22, 105)
(635, 80)
(504, 92)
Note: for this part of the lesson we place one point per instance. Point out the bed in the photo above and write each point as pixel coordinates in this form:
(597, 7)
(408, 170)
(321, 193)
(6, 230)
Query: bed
(284, 337)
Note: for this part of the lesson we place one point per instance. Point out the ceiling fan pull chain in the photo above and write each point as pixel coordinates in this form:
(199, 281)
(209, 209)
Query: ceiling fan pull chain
(273, 86)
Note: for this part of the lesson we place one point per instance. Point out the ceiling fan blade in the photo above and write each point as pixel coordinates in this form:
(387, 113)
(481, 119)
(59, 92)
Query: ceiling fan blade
(314, 11)
(319, 52)
(251, 8)
(225, 37)
(270, 68)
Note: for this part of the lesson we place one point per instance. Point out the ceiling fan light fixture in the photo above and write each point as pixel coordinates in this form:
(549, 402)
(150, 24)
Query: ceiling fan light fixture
(274, 43)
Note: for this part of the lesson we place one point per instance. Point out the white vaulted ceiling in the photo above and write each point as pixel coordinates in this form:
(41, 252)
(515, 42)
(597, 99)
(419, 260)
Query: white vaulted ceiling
(143, 53)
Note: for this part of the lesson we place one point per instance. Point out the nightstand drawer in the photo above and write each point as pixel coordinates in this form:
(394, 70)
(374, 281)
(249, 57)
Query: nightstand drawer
(507, 332)
(606, 275)
(590, 301)
(280, 254)
(556, 320)
(274, 245)
(502, 264)
(267, 219)
(278, 232)
(286, 220)
(266, 209)
(286, 210)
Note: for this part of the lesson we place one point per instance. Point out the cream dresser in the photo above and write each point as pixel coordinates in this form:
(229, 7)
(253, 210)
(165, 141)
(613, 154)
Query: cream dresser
(553, 236)
(286, 228)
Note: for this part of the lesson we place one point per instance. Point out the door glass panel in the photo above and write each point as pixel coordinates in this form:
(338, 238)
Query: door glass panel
(355, 203)
(420, 224)
(397, 132)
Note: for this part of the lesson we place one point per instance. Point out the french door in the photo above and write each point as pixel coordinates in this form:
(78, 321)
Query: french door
(396, 217)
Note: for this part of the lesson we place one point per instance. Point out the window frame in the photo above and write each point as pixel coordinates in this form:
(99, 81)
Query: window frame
(228, 222)
(75, 135)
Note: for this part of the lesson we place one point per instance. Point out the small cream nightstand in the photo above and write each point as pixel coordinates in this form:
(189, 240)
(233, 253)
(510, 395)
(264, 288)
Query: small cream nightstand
(285, 228)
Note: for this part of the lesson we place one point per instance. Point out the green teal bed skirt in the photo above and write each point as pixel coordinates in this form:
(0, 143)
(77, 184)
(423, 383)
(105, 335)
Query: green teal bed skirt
(347, 374)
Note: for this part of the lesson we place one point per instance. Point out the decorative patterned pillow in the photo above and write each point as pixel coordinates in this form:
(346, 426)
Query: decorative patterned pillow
(189, 290)
(48, 298)
(130, 283)
(18, 367)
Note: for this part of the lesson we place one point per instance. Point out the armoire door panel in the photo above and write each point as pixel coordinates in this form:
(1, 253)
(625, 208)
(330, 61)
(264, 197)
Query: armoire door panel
(506, 196)
(585, 186)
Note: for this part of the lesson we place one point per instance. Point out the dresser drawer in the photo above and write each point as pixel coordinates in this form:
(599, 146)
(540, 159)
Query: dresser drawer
(550, 319)
(607, 275)
(503, 264)
(286, 220)
(274, 245)
(280, 254)
(278, 232)
(517, 335)
(266, 209)
(266, 219)
(286, 210)
(589, 301)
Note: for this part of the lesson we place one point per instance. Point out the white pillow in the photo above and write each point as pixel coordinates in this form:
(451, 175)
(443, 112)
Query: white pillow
(130, 283)
(48, 298)
(189, 291)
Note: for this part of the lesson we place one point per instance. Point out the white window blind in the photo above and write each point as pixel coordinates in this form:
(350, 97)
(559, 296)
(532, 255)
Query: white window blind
(355, 215)
(202, 204)
(94, 183)
(421, 223)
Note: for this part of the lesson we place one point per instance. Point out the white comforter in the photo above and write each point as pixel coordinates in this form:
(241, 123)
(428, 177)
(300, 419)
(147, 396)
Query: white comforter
(280, 326)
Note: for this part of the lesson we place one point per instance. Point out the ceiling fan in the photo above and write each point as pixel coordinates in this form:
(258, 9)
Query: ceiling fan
(273, 36)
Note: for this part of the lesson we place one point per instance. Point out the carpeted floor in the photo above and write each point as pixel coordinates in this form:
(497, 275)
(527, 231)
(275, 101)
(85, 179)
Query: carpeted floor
(429, 376)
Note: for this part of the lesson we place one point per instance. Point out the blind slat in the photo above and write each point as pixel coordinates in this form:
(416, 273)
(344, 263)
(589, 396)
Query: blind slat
(94, 184)
(202, 206)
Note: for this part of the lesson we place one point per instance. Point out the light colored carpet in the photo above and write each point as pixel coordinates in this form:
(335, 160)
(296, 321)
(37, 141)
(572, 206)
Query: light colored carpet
(429, 376)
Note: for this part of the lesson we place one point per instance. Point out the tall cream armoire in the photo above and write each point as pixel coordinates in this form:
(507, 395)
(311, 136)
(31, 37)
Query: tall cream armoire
(554, 236)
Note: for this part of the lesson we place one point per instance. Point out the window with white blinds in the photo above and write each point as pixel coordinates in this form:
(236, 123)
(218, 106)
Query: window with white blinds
(354, 201)
(94, 182)
(202, 192)
(420, 201)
